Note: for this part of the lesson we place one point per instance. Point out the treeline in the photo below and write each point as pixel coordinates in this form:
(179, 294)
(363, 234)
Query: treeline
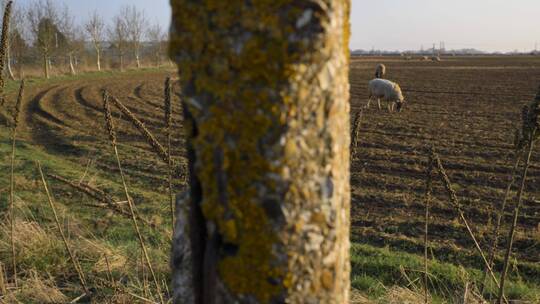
(46, 38)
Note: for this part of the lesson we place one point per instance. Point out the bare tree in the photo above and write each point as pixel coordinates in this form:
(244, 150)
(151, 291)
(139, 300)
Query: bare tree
(95, 28)
(118, 36)
(71, 38)
(43, 20)
(157, 37)
(18, 46)
(268, 149)
(136, 26)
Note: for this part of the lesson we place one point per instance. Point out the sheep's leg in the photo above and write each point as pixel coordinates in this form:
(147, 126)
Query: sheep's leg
(379, 102)
(368, 102)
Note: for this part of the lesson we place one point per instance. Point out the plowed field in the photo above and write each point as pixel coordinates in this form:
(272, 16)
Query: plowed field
(467, 108)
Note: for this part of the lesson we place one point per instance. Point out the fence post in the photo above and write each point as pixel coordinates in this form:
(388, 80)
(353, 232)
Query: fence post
(266, 105)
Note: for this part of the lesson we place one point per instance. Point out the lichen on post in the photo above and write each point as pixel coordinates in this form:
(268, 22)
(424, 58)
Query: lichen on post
(266, 105)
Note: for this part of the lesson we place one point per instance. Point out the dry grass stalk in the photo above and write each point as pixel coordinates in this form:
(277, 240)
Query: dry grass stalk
(4, 46)
(358, 298)
(454, 200)
(504, 272)
(496, 232)
(119, 288)
(18, 106)
(168, 125)
(355, 132)
(145, 285)
(168, 103)
(108, 119)
(3, 288)
(74, 260)
(107, 201)
(37, 289)
(112, 136)
(150, 138)
(78, 298)
(429, 189)
(400, 295)
(127, 214)
(88, 164)
(530, 125)
(166, 288)
(145, 300)
(109, 272)
(93, 192)
(139, 125)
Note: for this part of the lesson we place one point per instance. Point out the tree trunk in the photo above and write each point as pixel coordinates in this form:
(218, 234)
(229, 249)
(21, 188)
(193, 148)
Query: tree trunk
(8, 63)
(71, 66)
(121, 63)
(158, 55)
(46, 66)
(137, 60)
(267, 125)
(20, 67)
(98, 53)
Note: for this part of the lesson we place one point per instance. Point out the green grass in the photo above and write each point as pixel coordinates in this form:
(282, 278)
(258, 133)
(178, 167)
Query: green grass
(376, 269)
(110, 233)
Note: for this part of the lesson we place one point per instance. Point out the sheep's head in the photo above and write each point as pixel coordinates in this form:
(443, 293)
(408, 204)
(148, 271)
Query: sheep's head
(400, 101)
(399, 105)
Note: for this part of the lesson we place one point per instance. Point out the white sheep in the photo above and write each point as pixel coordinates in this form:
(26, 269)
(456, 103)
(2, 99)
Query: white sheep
(380, 71)
(388, 91)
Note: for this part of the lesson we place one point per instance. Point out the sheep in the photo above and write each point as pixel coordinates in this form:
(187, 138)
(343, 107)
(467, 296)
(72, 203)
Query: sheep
(388, 90)
(425, 58)
(436, 58)
(380, 71)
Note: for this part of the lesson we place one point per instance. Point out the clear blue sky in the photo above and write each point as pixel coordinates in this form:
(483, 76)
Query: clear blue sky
(398, 24)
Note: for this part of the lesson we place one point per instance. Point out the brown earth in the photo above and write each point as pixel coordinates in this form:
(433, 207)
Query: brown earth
(67, 119)
(468, 109)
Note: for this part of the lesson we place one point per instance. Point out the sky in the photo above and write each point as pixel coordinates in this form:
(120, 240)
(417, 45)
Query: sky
(155, 10)
(489, 25)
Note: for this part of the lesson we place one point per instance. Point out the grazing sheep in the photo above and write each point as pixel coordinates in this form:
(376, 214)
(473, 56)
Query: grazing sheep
(436, 58)
(425, 58)
(387, 90)
(380, 71)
